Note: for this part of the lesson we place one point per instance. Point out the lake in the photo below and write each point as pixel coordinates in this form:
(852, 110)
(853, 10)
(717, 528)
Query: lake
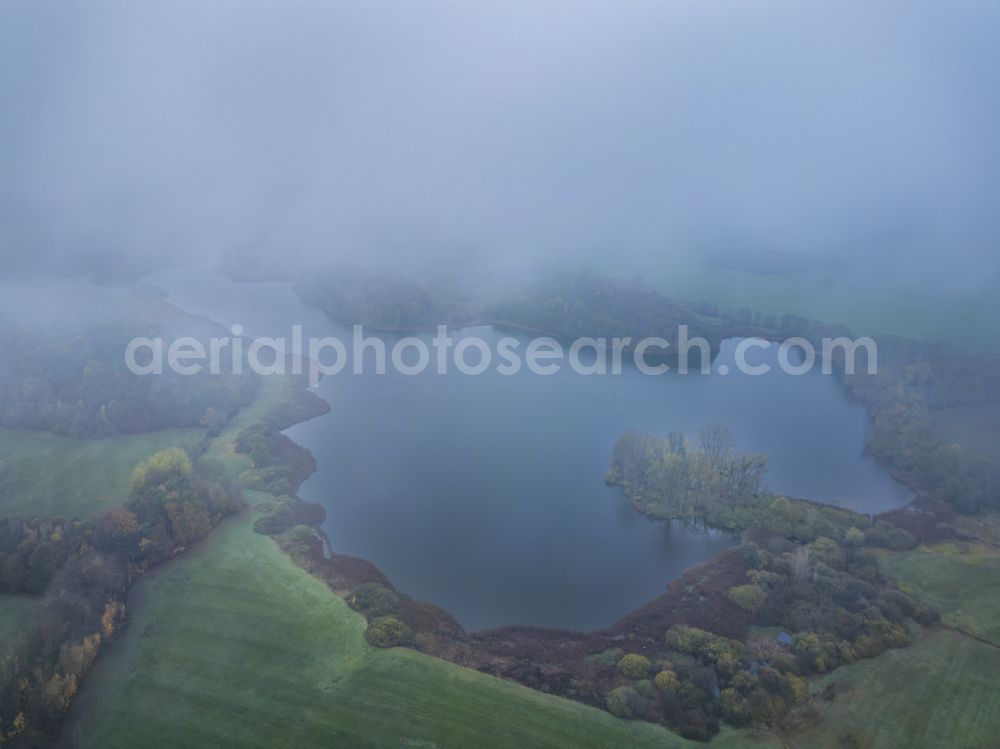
(485, 494)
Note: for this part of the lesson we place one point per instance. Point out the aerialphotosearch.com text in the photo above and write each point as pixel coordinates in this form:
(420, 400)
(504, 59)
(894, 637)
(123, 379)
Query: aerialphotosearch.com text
(473, 355)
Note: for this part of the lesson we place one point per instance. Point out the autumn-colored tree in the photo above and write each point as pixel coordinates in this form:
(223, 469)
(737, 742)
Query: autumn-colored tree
(189, 521)
(667, 681)
(122, 529)
(164, 477)
(751, 598)
(19, 724)
(388, 632)
(114, 612)
(76, 659)
(826, 551)
(60, 690)
(121, 522)
(634, 666)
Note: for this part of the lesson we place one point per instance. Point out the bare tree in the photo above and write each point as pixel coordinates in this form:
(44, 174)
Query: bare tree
(800, 563)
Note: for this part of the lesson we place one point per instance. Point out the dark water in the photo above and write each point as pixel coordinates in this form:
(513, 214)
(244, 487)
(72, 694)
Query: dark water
(485, 494)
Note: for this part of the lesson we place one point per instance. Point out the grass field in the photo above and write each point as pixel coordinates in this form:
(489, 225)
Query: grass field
(939, 692)
(943, 690)
(231, 644)
(961, 582)
(234, 645)
(52, 475)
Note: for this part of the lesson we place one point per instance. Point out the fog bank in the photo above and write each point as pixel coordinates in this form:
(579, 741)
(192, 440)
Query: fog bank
(502, 135)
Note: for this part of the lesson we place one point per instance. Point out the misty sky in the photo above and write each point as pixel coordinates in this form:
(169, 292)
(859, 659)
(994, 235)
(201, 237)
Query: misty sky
(648, 130)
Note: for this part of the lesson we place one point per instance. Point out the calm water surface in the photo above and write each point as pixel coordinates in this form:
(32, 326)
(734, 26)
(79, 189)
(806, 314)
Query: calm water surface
(485, 494)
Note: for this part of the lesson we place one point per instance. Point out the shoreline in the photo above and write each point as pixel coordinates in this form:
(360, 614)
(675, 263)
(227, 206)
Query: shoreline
(484, 649)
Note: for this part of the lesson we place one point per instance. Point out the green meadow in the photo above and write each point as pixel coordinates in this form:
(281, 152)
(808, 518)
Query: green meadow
(959, 581)
(232, 644)
(57, 476)
(939, 692)
(940, 688)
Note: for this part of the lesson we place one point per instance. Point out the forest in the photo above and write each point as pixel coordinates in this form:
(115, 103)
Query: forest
(68, 375)
(379, 300)
(808, 570)
(581, 304)
(84, 569)
(913, 380)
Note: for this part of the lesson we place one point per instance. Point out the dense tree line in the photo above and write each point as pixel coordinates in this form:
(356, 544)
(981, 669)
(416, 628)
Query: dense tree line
(590, 305)
(374, 299)
(914, 378)
(279, 465)
(809, 571)
(32, 550)
(742, 322)
(825, 595)
(698, 678)
(673, 478)
(828, 593)
(85, 568)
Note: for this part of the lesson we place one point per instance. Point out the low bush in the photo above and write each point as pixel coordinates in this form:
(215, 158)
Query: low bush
(625, 702)
(388, 632)
(374, 599)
